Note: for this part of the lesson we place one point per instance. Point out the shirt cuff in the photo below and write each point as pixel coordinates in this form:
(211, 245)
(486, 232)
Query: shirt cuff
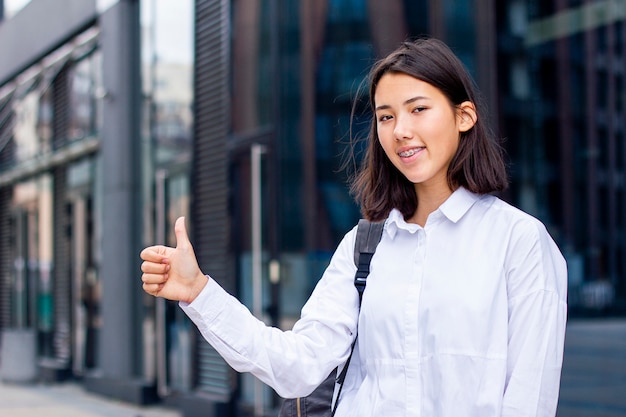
(208, 305)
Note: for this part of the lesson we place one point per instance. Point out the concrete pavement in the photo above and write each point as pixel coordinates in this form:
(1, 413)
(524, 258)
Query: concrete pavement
(593, 382)
(68, 400)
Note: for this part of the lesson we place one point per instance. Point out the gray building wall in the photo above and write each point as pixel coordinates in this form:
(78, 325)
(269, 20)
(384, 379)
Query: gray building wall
(30, 34)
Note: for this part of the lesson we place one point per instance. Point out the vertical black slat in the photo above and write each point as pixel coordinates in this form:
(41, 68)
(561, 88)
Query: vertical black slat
(6, 243)
(61, 107)
(61, 276)
(209, 206)
(7, 144)
(62, 337)
(7, 152)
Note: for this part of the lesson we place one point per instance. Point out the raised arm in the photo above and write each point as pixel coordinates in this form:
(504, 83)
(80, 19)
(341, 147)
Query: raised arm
(292, 362)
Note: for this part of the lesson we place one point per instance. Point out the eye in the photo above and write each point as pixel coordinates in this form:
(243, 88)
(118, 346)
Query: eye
(419, 109)
(384, 118)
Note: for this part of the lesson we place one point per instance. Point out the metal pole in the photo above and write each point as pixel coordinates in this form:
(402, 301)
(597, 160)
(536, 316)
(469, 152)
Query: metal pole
(256, 153)
(20, 268)
(161, 332)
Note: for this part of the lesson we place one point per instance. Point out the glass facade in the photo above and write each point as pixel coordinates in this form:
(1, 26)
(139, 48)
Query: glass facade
(562, 81)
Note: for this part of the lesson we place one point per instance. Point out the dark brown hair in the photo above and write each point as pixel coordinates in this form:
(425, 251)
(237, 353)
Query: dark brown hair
(478, 164)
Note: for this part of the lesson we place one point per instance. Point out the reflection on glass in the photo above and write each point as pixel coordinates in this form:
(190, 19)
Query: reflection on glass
(84, 107)
(32, 287)
(172, 107)
(44, 121)
(167, 72)
(25, 131)
(85, 283)
(177, 202)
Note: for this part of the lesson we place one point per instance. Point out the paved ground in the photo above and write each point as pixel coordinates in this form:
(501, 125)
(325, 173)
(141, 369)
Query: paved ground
(593, 383)
(68, 400)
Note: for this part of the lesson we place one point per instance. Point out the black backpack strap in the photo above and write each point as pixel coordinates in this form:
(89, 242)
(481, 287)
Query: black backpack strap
(368, 235)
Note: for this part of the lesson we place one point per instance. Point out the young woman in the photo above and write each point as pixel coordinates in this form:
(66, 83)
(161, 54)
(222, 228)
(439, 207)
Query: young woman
(465, 307)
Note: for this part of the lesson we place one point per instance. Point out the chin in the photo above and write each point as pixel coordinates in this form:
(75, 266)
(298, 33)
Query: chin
(415, 179)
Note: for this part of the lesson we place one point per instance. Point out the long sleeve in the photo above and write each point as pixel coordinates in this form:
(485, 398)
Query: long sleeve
(537, 285)
(292, 362)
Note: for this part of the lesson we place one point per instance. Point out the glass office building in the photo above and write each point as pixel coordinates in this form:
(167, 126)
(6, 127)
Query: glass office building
(118, 116)
(561, 99)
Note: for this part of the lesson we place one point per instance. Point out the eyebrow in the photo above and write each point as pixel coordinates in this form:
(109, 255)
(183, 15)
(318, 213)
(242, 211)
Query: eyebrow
(409, 101)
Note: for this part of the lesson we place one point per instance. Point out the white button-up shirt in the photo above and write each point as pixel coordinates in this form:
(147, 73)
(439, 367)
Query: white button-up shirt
(464, 317)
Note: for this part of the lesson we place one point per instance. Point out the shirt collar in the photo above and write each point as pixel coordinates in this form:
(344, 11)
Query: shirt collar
(458, 204)
(455, 207)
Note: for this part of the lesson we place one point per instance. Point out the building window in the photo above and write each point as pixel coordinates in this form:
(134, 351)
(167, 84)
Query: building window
(85, 87)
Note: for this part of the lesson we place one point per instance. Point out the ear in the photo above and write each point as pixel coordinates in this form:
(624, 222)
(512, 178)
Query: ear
(466, 113)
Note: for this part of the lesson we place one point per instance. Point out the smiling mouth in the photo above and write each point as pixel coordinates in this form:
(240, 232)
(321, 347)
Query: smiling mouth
(410, 152)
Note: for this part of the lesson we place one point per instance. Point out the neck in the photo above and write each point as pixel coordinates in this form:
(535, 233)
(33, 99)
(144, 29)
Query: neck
(428, 200)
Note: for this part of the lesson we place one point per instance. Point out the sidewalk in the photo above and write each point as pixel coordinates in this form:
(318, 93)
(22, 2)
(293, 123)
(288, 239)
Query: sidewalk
(68, 400)
(593, 382)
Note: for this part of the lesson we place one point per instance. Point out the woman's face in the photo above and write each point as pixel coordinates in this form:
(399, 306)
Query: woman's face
(418, 128)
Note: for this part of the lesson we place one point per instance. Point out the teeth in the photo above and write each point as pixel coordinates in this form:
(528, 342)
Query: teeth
(408, 153)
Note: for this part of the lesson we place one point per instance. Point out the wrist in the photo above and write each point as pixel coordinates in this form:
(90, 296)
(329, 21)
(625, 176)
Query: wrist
(198, 285)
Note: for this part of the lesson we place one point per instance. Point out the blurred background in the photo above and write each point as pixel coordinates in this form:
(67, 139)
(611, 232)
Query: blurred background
(118, 116)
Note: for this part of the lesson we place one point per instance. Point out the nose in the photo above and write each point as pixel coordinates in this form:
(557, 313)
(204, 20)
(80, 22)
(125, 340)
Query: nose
(402, 128)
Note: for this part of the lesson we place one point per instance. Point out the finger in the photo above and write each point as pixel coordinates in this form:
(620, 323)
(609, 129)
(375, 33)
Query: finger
(154, 278)
(154, 268)
(154, 254)
(152, 289)
(182, 239)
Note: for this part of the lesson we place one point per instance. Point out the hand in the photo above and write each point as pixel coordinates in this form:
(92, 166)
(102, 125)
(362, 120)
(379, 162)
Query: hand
(173, 273)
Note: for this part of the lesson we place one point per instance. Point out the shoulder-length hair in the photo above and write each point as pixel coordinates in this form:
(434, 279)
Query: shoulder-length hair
(478, 164)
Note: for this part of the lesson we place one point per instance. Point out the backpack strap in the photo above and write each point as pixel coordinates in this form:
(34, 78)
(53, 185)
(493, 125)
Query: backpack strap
(368, 235)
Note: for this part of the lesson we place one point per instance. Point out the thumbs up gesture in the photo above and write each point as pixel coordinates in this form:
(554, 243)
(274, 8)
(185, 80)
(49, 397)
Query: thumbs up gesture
(173, 273)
